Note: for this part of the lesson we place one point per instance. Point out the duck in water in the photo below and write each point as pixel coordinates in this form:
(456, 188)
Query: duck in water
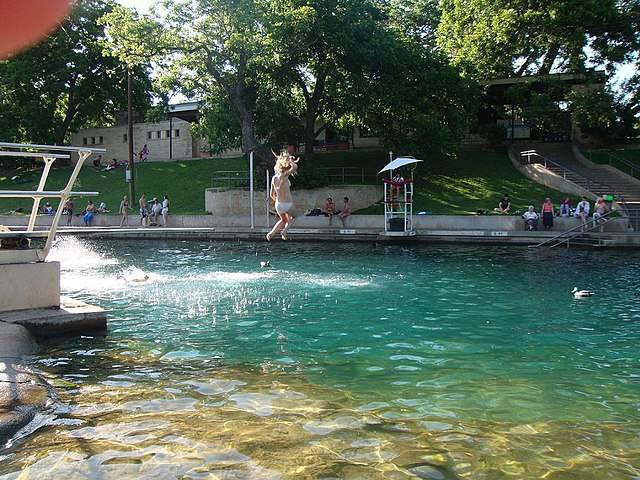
(581, 293)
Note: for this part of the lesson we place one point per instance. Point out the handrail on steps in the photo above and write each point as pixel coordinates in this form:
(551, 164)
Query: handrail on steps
(530, 153)
(625, 161)
(577, 227)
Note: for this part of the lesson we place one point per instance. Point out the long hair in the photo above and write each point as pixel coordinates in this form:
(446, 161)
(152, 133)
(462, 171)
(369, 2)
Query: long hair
(285, 161)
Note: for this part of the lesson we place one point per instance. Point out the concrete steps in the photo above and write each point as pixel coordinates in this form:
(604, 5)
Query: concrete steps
(596, 179)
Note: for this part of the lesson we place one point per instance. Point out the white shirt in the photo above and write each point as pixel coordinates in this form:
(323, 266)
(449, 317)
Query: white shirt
(530, 216)
(583, 206)
(165, 203)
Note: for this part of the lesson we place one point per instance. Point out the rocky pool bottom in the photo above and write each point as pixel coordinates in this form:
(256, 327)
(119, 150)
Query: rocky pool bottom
(219, 369)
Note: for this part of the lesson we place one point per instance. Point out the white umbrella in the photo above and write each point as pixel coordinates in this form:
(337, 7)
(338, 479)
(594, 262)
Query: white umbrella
(399, 162)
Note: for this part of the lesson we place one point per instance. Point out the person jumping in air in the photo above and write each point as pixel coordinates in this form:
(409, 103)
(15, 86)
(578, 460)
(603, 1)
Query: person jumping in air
(286, 165)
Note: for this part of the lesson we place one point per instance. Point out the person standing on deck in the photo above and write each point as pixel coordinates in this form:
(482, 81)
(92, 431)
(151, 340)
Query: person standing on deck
(582, 211)
(124, 211)
(67, 209)
(547, 214)
(286, 165)
(165, 210)
(143, 209)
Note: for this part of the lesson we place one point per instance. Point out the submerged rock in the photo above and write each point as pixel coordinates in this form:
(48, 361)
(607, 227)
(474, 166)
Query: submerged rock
(23, 393)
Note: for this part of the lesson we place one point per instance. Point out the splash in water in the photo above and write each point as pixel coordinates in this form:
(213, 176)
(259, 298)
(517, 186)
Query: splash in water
(77, 255)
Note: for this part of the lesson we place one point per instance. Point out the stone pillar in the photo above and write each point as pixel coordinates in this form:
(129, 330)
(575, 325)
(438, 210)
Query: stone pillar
(26, 286)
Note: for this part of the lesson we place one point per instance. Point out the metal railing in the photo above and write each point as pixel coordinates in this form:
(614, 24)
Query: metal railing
(230, 178)
(578, 231)
(348, 175)
(622, 164)
(589, 183)
(334, 175)
(18, 150)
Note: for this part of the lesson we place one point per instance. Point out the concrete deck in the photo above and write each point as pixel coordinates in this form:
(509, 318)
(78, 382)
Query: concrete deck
(486, 229)
(73, 316)
(487, 237)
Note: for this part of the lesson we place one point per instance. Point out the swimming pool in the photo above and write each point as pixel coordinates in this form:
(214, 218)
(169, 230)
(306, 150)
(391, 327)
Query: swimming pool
(343, 361)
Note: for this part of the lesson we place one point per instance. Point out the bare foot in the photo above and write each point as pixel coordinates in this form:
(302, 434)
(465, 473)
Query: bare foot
(269, 236)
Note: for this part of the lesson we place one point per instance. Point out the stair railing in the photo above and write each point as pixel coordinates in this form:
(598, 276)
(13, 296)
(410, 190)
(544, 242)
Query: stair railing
(590, 183)
(615, 160)
(577, 231)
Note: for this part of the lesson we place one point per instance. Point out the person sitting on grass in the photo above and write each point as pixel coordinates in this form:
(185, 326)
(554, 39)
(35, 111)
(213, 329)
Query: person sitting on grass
(530, 218)
(112, 166)
(504, 205)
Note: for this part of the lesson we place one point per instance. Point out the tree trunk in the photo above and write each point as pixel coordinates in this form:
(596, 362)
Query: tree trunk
(243, 113)
(309, 136)
(262, 155)
(72, 109)
(312, 104)
(549, 59)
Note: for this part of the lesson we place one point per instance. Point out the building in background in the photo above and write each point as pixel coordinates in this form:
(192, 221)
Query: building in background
(171, 139)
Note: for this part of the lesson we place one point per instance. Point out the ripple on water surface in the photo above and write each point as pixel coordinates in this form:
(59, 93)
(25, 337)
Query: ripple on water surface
(349, 362)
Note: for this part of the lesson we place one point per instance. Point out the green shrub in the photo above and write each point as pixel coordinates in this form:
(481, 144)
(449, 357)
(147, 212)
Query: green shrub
(495, 134)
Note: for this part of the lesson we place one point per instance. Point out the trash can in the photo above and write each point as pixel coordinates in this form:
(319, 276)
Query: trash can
(396, 224)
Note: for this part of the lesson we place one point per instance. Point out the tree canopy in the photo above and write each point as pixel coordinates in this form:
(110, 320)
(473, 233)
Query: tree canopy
(65, 82)
(276, 71)
(499, 38)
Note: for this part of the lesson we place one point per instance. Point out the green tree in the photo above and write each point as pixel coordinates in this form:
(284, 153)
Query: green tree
(271, 71)
(602, 116)
(319, 46)
(205, 48)
(494, 38)
(65, 82)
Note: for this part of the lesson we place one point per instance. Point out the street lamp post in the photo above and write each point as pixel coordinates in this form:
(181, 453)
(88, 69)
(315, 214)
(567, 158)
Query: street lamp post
(132, 185)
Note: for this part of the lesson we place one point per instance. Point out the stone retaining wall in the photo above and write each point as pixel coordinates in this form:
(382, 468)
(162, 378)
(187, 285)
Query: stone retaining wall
(235, 201)
(421, 222)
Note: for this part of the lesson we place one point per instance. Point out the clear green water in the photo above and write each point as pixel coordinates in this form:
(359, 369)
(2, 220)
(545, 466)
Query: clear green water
(344, 361)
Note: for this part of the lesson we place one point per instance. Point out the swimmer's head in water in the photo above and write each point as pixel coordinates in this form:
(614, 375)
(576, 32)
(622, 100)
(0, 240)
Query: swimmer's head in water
(284, 162)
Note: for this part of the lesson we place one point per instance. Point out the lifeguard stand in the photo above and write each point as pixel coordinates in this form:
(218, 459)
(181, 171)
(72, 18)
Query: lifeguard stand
(398, 199)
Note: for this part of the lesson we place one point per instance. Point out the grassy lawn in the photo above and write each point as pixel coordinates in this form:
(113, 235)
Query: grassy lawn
(474, 180)
(184, 182)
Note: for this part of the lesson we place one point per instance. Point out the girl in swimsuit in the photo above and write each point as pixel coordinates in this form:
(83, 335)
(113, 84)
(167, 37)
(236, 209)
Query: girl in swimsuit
(286, 165)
